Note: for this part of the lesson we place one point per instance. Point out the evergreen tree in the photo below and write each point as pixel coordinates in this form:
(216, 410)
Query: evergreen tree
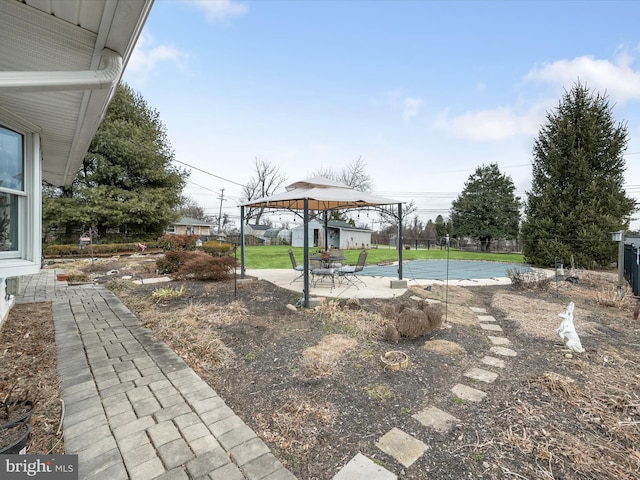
(577, 197)
(126, 182)
(487, 208)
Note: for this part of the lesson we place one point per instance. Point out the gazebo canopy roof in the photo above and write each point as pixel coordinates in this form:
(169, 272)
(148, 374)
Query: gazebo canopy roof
(322, 194)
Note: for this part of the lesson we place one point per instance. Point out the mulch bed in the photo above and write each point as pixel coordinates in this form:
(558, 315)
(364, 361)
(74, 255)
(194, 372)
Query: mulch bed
(28, 370)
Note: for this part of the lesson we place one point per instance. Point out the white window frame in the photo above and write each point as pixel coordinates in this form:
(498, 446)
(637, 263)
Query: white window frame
(27, 258)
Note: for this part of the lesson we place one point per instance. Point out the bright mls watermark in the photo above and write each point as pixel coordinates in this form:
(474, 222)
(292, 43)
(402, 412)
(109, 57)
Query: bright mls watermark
(50, 467)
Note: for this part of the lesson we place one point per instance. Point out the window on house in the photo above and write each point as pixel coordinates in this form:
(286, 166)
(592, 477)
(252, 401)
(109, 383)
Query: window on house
(12, 192)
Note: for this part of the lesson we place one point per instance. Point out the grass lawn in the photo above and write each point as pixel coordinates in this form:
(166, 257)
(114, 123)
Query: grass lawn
(276, 256)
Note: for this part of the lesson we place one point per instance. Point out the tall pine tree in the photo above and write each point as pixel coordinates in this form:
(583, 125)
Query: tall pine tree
(577, 197)
(126, 182)
(487, 208)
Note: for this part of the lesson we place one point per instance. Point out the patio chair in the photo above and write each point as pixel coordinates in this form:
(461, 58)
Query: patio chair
(320, 274)
(349, 273)
(298, 269)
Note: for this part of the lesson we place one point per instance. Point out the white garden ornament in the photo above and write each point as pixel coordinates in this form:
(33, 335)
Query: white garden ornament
(567, 331)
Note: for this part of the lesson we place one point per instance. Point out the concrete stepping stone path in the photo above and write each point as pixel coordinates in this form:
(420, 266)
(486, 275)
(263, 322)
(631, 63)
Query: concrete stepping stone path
(498, 340)
(401, 446)
(491, 327)
(478, 310)
(505, 352)
(437, 419)
(362, 467)
(493, 361)
(405, 448)
(481, 375)
(468, 393)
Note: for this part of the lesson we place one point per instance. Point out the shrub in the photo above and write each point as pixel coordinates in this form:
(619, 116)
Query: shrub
(94, 249)
(201, 266)
(411, 322)
(195, 266)
(172, 261)
(217, 249)
(178, 242)
(531, 280)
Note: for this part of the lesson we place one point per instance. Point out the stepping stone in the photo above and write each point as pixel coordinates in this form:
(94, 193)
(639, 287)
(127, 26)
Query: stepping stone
(499, 340)
(362, 467)
(505, 352)
(478, 310)
(401, 446)
(481, 375)
(468, 393)
(486, 318)
(437, 419)
(492, 361)
(491, 327)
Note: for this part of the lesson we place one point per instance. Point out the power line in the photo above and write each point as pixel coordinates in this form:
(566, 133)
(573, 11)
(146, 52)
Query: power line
(209, 173)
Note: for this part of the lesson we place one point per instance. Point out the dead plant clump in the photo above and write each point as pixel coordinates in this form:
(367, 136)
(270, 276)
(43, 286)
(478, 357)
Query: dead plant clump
(321, 360)
(528, 280)
(592, 429)
(298, 425)
(359, 323)
(185, 334)
(408, 321)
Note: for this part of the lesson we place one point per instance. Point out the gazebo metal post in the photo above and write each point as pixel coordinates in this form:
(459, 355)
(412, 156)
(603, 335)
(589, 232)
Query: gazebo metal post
(400, 241)
(305, 223)
(326, 230)
(241, 241)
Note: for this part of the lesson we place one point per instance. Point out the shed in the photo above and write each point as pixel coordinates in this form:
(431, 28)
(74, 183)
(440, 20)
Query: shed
(340, 235)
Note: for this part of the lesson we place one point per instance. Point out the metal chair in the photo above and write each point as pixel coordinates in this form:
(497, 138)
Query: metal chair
(319, 274)
(299, 269)
(349, 273)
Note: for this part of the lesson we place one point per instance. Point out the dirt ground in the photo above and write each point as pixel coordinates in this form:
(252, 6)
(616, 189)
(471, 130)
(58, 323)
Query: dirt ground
(312, 386)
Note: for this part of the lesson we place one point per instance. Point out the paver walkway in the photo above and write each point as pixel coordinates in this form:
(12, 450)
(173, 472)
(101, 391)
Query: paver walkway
(133, 408)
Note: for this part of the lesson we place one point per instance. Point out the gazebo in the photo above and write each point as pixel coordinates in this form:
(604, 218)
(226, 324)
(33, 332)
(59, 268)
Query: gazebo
(319, 194)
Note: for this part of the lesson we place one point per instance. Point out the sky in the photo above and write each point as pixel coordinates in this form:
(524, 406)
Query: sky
(423, 92)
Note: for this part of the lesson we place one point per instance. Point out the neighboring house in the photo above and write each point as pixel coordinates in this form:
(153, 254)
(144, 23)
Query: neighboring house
(60, 63)
(258, 231)
(341, 235)
(191, 226)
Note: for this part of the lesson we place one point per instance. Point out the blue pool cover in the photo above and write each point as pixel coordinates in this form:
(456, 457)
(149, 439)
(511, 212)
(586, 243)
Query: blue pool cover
(437, 269)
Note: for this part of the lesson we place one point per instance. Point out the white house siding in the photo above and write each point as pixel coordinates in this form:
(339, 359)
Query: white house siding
(346, 239)
(354, 239)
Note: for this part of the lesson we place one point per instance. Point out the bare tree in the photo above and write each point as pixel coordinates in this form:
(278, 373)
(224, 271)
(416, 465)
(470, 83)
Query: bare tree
(356, 176)
(353, 175)
(190, 208)
(266, 180)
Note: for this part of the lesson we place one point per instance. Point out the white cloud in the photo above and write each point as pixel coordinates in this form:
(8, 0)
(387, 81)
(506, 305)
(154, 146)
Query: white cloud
(399, 101)
(617, 78)
(490, 125)
(146, 57)
(410, 107)
(220, 10)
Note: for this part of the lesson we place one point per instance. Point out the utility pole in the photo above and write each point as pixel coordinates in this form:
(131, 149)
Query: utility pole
(221, 197)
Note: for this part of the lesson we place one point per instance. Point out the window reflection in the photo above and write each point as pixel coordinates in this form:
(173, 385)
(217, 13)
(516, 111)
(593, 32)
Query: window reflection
(11, 163)
(8, 222)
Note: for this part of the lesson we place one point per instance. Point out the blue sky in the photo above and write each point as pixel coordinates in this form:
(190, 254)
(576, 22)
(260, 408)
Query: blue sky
(423, 91)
